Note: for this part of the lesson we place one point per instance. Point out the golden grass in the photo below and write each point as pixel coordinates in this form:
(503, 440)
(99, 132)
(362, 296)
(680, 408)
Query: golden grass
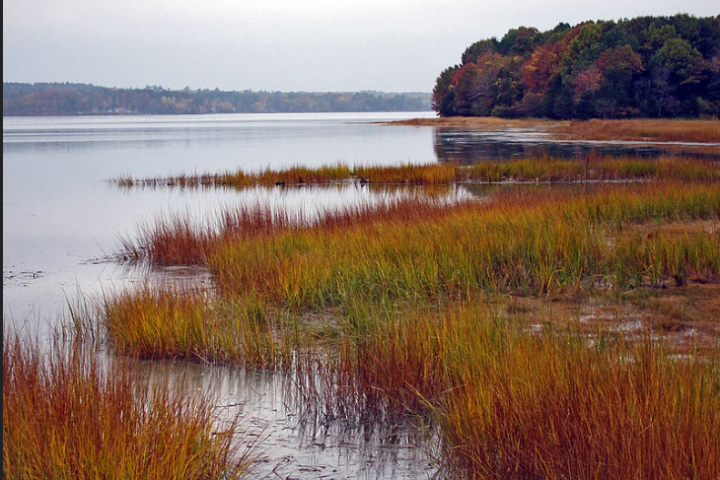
(180, 241)
(694, 131)
(166, 323)
(550, 406)
(526, 243)
(68, 414)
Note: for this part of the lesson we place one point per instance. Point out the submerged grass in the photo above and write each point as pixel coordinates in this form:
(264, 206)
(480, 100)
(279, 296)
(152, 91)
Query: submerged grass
(67, 414)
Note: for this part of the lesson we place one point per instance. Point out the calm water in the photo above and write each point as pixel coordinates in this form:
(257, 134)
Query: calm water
(467, 146)
(62, 218)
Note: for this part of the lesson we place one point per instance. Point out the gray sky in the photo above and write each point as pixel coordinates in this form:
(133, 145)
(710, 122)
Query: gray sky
(285, 45)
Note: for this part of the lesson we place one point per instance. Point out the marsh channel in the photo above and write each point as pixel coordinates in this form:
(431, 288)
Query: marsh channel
(63, 219)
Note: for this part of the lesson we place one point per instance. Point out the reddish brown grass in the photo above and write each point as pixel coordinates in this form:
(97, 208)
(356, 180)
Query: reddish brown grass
(68, 415)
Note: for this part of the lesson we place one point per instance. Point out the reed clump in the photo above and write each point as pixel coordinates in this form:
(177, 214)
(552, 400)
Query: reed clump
(511, 402)
(180, 240)
(550, 405)
(167, 323)
(68, 414)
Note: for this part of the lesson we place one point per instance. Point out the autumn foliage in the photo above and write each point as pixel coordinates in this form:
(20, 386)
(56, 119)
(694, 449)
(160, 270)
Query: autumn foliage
(644, 67)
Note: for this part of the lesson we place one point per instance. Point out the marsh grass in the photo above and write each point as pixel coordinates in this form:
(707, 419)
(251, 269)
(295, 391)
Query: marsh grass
(70, 414)
(526, 242)
(523, 405)
(167, 323)
(509, 402)
(523, 243)
(422, 307)
(657, 130)
(181, 240)
(540, 169)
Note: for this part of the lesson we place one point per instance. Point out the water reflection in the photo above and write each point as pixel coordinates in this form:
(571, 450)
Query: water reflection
(302, 441)
(467, 146)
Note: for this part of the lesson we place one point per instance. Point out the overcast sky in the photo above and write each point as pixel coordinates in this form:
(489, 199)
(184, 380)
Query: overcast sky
(277, 45)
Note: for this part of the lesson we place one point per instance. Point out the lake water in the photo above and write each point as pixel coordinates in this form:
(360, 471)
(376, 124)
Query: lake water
(62, 218)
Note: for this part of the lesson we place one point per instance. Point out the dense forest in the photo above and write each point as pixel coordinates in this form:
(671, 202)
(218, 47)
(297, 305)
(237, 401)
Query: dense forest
(83, 99)
(643, 67)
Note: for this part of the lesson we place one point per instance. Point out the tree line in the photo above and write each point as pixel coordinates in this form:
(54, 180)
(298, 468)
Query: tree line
(643, 67)
(23, 99)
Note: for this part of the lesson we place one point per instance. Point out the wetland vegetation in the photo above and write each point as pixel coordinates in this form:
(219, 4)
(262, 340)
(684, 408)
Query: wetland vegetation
(628, 130)
(564, 323)
(69, 413)
(546, 331)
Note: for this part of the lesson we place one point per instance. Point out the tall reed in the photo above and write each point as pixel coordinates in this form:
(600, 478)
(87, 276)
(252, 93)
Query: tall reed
(69, 414)
(513, 404)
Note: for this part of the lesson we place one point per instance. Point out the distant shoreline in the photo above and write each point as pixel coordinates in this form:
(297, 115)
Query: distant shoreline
(66, 99)
(638, 130)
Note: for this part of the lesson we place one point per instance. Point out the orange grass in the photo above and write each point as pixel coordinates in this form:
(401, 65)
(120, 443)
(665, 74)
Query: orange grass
(523, 242)
(179, 240)
(411, 332)
(69, 415)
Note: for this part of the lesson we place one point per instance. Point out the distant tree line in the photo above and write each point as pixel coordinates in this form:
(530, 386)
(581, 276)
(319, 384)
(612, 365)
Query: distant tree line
(22, 99)
(643, 67)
